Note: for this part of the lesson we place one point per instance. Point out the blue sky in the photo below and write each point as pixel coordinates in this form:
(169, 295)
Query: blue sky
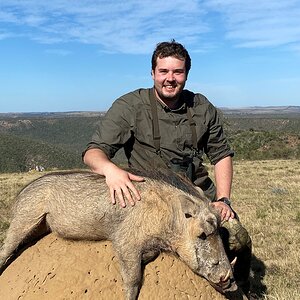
(72, 55)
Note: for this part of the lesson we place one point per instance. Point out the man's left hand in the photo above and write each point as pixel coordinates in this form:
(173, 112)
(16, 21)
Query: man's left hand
(224, 210)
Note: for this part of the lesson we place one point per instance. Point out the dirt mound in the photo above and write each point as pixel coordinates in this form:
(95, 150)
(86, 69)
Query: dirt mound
(58, 269)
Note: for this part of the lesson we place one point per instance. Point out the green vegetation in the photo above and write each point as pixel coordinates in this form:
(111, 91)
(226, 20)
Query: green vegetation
(55, 141)
(71, 133)
(256, 145)
(20, 154)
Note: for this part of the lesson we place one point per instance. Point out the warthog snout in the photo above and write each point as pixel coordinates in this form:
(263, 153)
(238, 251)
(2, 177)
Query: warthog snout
(206, 255)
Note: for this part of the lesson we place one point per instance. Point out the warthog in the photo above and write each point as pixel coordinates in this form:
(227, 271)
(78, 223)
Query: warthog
(172, 216)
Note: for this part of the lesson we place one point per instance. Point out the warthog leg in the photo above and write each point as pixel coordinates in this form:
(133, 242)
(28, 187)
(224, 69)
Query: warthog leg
(131, 271)
(21, 231)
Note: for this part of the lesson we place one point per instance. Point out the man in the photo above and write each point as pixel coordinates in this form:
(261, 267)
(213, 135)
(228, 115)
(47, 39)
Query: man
(169, 127)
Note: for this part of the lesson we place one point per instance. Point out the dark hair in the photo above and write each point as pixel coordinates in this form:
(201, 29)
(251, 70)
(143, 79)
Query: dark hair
(166, 49)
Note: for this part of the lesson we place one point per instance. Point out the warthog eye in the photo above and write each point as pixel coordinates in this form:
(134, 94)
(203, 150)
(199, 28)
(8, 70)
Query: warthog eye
(202, 236)
(187, 215)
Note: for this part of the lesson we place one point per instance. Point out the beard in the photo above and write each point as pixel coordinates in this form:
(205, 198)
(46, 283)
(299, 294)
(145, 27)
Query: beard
(168, 95)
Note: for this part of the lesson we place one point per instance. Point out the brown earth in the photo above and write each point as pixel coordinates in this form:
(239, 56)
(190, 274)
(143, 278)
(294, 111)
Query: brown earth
(54, 268)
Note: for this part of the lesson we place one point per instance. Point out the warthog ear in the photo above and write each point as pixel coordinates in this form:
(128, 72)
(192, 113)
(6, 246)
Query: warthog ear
(200, 191)
(210, 224)
(189, 208)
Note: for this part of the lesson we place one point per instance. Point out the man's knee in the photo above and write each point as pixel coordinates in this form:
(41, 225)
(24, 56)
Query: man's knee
(235, 237)
(237, 244)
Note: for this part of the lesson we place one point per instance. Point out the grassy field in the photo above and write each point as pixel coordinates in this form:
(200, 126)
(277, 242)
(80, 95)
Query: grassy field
(267, 199)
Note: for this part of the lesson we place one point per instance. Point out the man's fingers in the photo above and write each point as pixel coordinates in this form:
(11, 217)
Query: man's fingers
(120, 196)
(123, 194)
(223, 215)
(228, 214)
(128, 195)
(112, 196)
(134, 191)
(135, 177)
(122, 189)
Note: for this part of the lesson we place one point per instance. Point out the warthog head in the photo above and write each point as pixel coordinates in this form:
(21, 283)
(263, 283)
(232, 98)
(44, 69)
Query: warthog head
(201, 246)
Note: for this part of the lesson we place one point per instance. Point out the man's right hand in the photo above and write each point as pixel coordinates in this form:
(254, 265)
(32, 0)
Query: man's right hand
(120, 185)
(118, 180)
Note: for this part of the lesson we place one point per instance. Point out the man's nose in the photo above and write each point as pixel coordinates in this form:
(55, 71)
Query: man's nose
(170, 76)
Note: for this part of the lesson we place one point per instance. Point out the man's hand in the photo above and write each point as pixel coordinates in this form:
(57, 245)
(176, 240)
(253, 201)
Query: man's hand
(224, 210)
(118, 180)
(121, 187)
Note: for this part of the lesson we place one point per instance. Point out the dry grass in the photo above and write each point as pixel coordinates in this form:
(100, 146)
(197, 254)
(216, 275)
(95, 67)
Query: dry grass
(266, 196)
(267, 199)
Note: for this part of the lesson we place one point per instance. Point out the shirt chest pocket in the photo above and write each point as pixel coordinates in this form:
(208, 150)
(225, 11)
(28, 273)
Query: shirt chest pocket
(143, 127)
(186, 138)
(175, 133)
(176, 136)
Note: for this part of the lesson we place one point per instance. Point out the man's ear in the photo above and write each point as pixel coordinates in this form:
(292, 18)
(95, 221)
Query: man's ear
(152, 74)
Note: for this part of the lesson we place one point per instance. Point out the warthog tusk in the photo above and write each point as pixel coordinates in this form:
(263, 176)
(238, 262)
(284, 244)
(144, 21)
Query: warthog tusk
(227, 276)
(233, 262)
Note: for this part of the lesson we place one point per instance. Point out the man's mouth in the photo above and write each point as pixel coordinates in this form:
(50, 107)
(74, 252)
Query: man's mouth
(169, 87)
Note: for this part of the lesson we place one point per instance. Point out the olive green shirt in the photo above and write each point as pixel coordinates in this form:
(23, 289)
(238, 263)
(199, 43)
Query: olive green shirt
(128, 124)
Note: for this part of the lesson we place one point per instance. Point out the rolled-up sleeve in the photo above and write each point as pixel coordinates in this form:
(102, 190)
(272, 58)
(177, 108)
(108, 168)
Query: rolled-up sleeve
(217, 146)
(114, 129)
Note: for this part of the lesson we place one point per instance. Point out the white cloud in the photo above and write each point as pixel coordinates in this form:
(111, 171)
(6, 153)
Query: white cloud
(259, 23)
(135, 26)
(121, 26)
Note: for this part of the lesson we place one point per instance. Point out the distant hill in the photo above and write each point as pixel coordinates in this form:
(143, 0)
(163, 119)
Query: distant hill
(52, 114)
(19, 154)
(263, 110)
(51, 140)
(56, 140)
(71, 132)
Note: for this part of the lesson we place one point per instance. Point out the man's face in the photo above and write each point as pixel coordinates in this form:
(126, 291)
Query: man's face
(169, 78)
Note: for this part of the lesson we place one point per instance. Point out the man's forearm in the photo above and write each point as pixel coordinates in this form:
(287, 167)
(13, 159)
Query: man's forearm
(223, 177)
(97, 161)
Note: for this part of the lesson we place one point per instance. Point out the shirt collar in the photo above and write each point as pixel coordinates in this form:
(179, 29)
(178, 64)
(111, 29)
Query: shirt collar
(181, 108)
